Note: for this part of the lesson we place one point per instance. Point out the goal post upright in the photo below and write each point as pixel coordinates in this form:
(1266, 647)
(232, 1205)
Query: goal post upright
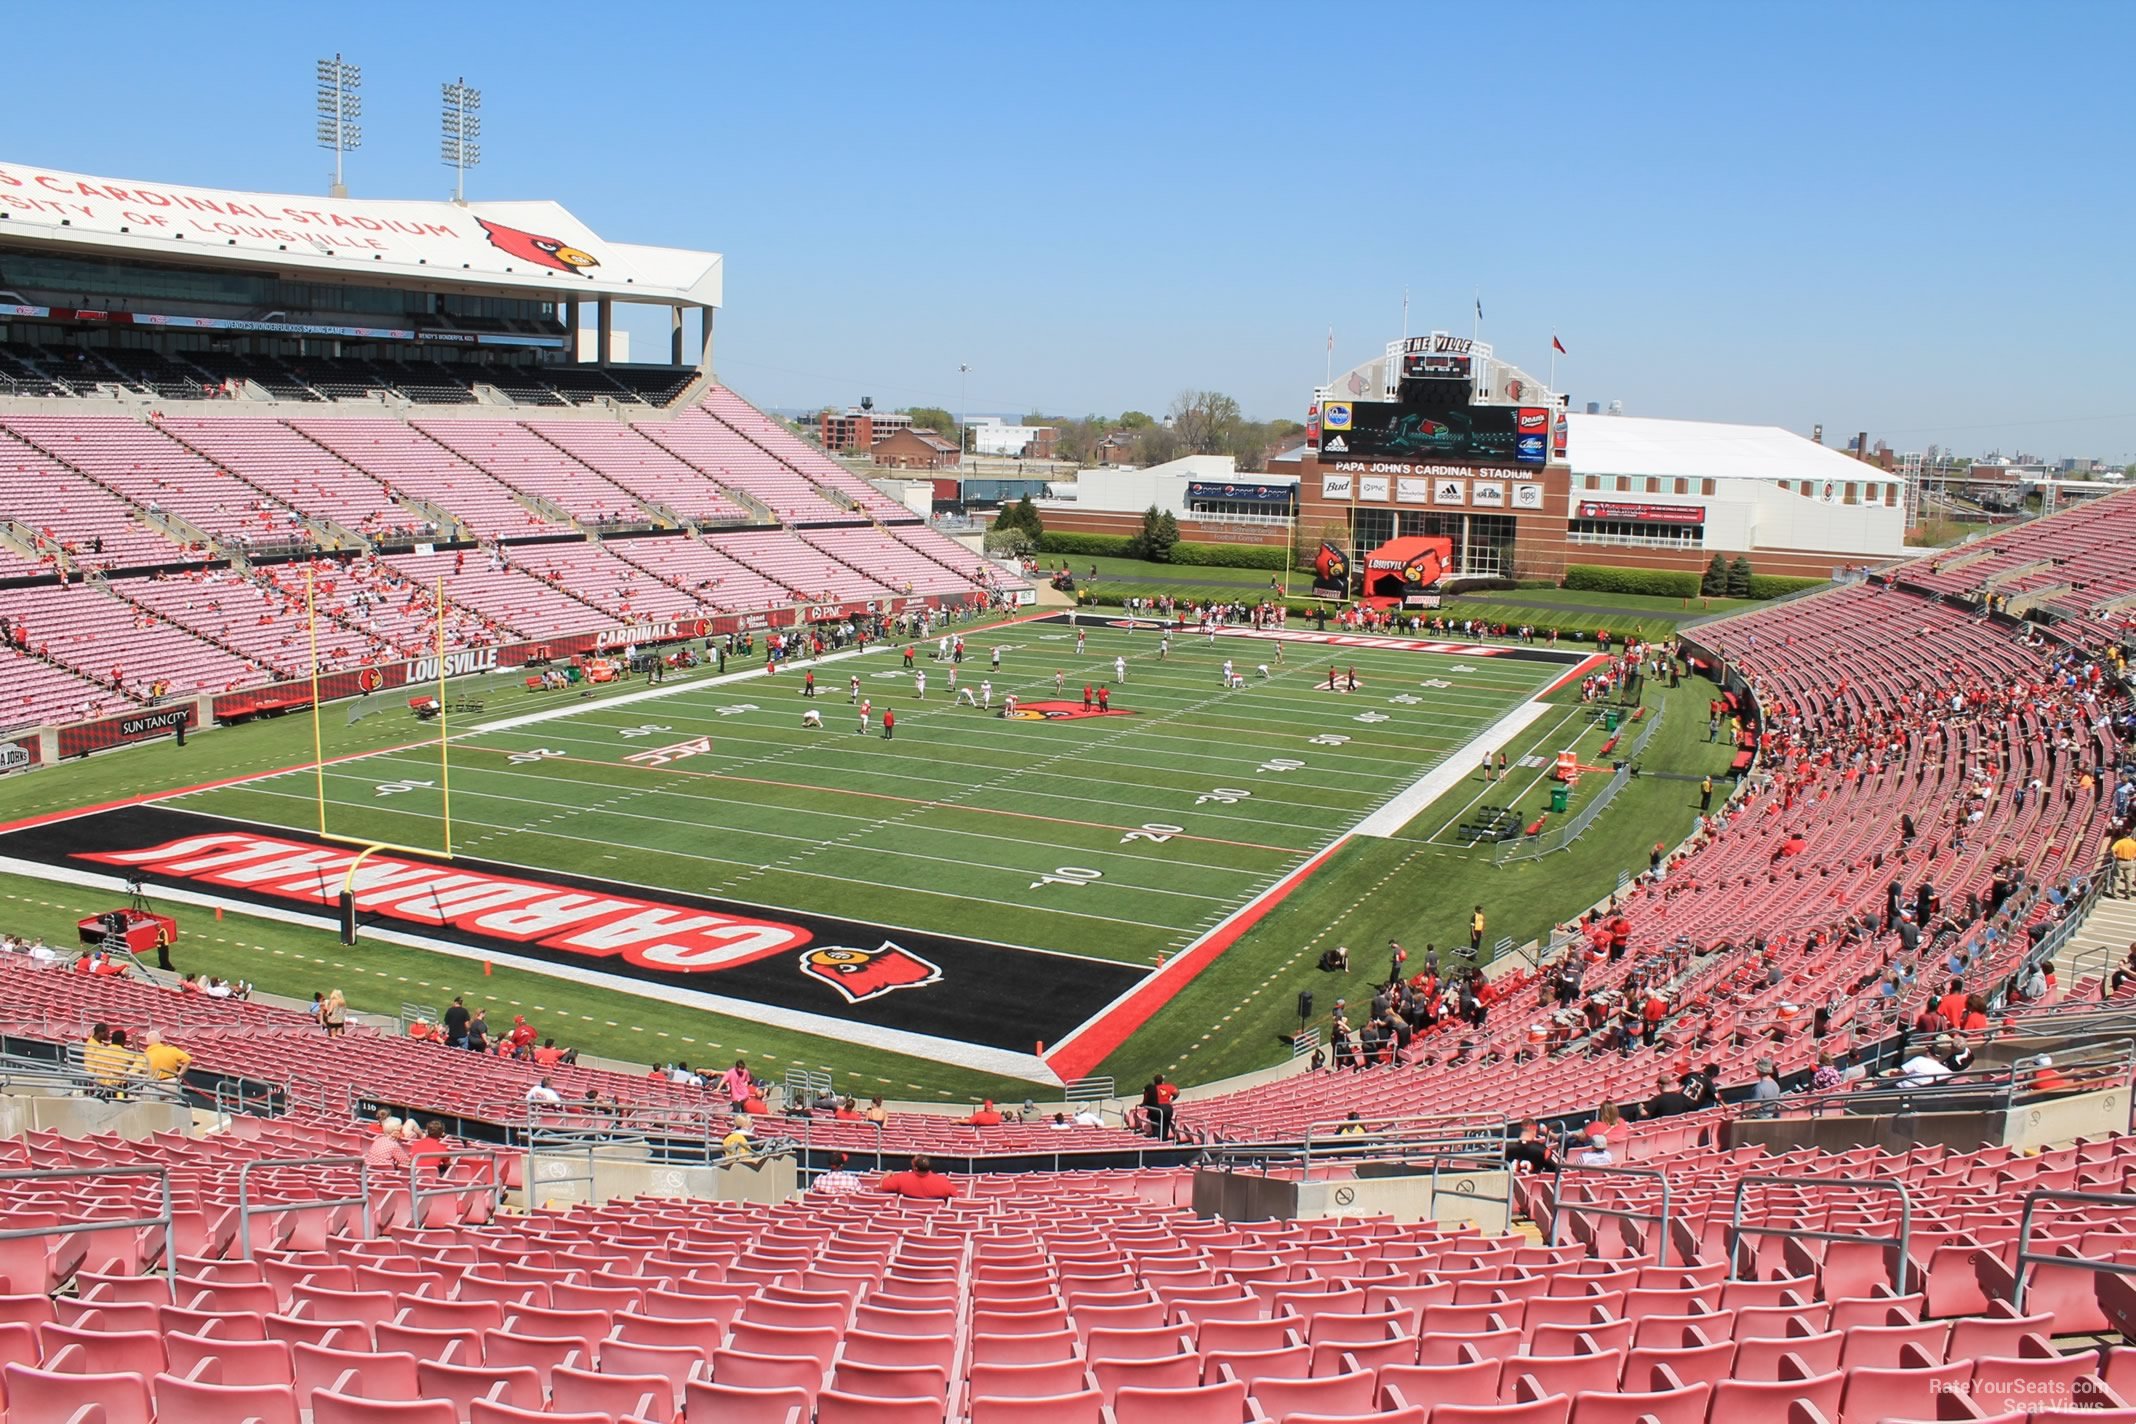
(367, 846)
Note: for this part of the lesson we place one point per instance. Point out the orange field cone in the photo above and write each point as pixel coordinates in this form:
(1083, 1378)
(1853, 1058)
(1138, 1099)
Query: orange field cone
(485, 968)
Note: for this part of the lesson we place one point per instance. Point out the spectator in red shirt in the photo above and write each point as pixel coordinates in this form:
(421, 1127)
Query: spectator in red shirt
(986, 1115)
(548, 1055)
(920, 1181)
(430, 1144)
(1951, 1007)
(520, 1041)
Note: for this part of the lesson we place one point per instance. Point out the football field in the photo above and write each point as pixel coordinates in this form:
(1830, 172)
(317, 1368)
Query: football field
(1025, 872)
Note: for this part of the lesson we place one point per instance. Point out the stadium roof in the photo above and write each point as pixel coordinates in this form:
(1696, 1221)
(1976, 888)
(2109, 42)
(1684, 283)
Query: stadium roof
(523, 247)
(1702, 449)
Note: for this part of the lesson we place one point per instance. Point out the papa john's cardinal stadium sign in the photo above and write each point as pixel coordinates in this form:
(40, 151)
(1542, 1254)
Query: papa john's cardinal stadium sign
(523, 244)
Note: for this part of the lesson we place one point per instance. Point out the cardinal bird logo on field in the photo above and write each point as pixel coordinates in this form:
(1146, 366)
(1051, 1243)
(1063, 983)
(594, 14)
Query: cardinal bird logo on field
(862, 974)
(1061, 712)
(547, 251)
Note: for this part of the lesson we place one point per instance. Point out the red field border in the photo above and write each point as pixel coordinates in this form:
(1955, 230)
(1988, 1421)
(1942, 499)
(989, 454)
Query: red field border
(1083, 1050)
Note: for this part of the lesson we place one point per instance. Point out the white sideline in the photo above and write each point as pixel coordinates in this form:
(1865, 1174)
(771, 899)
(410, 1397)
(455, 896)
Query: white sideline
(1450, 772)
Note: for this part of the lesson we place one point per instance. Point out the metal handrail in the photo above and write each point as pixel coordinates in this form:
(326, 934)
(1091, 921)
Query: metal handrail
(1557, 1203)
(1904, 1240)
(417, 1195)
(163, 1219)
(246, 1209)
(1435, 1135)
(1467, 1162)
(2027, 1257)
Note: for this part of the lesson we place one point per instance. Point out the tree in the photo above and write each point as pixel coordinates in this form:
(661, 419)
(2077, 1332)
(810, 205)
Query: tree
(1016, 543)
(1027, 519)
(1155, 444)
(1079, 437)
(1248, 446)
(1739, 577)
(1140, 542)
(1204, 421)
(1164, 538)
(1136, 420)
(1714, 582)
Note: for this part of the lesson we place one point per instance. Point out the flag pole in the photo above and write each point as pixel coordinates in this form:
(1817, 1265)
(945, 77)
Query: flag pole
(1405, 314)
(1476, 321)
(1329, 379)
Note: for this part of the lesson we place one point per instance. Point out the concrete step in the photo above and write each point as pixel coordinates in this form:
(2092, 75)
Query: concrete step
(2099, 942)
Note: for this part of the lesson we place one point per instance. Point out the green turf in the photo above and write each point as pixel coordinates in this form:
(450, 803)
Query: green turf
(948, 827)
(1237, 1016)
(955, 826)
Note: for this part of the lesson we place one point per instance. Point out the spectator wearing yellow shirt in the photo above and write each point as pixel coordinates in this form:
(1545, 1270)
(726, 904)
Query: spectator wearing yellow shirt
(2124, 852)
(736, 1146)
(165, 1060)
(108, 1060)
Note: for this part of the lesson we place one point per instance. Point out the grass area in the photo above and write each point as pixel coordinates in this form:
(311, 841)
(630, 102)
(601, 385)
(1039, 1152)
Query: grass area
(720, 790)
(1575, 612)
(953, 828)
(965, 826)
(1415, 888)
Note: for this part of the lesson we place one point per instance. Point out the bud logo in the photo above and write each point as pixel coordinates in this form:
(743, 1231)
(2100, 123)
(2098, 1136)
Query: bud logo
(1061, 712)
(643, 932)
(861, 974)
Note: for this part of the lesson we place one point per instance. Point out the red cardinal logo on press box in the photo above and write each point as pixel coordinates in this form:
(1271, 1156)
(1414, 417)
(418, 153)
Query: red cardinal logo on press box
(548, 251)
(865, 973)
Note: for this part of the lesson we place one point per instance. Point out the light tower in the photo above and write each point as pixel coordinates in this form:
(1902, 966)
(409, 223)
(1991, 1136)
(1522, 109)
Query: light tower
(463, 125)
(339, 108)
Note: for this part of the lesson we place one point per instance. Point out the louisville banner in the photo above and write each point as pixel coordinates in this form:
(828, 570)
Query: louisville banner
(996, 995)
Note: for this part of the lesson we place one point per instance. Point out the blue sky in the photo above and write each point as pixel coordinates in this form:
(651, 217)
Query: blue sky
(1907, 217)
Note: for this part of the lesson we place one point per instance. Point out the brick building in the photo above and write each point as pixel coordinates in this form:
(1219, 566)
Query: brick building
(910, 449)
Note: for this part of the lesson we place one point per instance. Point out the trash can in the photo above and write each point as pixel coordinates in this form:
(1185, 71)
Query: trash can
(1609, 719)
(1559, 794)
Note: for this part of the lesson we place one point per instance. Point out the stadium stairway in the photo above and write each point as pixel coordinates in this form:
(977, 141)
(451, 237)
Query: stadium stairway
(2098, 944)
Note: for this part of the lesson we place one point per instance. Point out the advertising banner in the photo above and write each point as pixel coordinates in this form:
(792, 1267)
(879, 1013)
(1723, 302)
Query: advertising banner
(1334, 486)
(1640, 513)
(1239, 493)
(1449, 492)
(1372, 487)
(1527, 496)
(18, 756)
(145, 725)
(1488, 494)
(1393, 430)
(1408, 490)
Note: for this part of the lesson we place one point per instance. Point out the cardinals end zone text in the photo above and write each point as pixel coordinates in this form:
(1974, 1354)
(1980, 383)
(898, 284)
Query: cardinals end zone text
(522, 911)
(730, 956)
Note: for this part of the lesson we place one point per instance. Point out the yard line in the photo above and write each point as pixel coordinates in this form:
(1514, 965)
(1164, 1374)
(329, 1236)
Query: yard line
(817, 843)
(846, 880)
